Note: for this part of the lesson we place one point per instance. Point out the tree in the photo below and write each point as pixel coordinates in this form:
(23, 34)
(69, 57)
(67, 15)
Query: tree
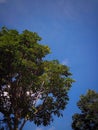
(31, 88)
(88, 118)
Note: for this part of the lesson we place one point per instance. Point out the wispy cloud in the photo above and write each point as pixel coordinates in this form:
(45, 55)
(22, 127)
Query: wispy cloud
(73, 10)
(3, 1)
(39, 128)
(65, 62)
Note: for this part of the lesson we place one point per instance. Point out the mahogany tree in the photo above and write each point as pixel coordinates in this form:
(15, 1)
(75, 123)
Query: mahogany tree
(31, 87)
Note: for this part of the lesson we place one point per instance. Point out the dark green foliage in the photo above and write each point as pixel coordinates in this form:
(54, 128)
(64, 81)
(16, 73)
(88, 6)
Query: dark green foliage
(88, 118)
(31, 88)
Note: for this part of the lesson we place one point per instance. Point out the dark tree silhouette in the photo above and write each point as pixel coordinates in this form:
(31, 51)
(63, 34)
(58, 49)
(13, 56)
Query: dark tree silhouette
(88, 118)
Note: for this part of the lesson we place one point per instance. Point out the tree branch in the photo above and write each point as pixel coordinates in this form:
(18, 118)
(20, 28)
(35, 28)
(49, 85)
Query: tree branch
(9, 123)
(22, 125)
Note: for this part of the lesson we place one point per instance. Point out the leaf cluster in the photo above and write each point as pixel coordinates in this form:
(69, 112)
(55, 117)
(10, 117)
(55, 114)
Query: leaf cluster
(88, 118)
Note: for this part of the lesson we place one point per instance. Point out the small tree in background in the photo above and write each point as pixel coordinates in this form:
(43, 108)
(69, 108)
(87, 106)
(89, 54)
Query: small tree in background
(31, 88)
(88, 118)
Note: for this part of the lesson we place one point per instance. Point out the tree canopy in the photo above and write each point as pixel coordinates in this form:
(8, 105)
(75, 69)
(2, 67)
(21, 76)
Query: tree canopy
(88, 118)
(31, 87)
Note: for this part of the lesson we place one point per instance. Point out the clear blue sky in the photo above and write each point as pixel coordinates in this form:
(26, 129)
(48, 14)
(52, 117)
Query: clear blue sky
(70, 29)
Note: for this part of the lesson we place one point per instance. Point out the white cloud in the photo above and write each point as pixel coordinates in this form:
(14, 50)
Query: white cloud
(3, 1)
(39, 128)
(65, 62)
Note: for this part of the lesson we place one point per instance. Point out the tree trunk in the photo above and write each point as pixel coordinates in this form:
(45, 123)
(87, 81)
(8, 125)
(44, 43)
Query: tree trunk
(16, 121)
(16, 129)
(9, 123)
(16, 125)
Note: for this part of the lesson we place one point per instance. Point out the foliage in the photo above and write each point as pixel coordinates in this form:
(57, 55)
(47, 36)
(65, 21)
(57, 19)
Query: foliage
(31, 88)
(88, 118)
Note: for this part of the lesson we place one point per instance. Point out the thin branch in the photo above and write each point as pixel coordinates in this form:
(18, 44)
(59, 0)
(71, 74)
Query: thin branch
(9, 123)
(22, 125)
(35, 96)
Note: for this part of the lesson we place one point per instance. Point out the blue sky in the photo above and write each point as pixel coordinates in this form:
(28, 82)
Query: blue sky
(70, 29)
